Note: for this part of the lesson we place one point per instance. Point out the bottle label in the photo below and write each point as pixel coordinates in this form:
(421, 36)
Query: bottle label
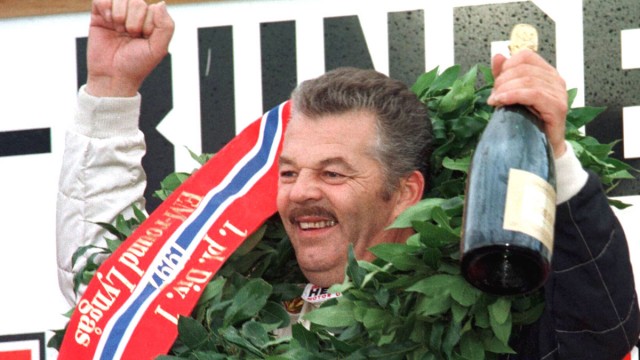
(530, 206)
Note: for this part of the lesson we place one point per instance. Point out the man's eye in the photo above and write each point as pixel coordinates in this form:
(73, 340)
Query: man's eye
(287, 174)
(333, 175)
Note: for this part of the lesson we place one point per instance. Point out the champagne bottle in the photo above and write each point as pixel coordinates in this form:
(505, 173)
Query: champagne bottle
(509, 214)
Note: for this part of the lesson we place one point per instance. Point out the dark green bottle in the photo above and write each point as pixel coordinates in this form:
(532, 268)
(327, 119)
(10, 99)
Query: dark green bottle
(507, 237)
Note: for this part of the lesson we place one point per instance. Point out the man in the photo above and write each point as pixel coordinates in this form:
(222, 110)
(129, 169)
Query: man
(351, 162)
(349, 167)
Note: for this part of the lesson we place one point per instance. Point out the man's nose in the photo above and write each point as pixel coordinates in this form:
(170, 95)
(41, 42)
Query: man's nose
(305, 188)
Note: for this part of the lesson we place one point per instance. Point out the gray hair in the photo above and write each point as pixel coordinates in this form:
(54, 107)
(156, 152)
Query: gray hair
(403, 125)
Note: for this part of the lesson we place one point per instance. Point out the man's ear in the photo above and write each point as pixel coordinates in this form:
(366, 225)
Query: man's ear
(410, 191)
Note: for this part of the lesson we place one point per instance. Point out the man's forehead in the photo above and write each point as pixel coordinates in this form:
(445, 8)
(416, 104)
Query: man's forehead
(357, 124)
(346, 116)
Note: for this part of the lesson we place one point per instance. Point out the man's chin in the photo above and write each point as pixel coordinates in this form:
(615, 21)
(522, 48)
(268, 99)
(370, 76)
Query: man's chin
(324, 282)
(323, 276)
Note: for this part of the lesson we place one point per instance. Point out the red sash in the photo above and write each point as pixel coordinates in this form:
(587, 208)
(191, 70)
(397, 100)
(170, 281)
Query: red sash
(131, 306)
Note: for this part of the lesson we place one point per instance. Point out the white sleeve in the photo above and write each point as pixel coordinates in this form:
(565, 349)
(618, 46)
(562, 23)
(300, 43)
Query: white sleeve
(101, 176)
(570, 176)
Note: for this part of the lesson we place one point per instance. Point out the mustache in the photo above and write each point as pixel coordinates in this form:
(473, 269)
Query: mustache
(311, 211)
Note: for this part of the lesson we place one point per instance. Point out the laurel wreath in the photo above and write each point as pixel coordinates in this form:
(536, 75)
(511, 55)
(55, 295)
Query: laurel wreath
(411, 302)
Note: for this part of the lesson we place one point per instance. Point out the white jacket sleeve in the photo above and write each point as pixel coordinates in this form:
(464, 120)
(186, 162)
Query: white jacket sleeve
(570, 176)
(101, 177)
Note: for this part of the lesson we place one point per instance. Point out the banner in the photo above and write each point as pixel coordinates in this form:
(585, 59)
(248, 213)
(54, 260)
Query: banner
(130, 308)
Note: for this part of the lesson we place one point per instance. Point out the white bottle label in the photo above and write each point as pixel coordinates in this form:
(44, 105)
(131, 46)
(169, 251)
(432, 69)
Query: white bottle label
(530, 206)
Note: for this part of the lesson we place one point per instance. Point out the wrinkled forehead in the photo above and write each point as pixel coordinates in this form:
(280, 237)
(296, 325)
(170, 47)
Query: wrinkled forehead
(361, 124)
(353, 131)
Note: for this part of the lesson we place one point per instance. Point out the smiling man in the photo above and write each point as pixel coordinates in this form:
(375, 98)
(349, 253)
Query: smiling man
(337, 185)
(354, 157)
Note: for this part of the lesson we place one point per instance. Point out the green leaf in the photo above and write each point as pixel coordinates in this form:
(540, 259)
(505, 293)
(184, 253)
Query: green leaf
(459, 312)
(500, 318)
(304, 337)
(275, 315)
(424, 81)
(414, 240)
(530, 315)
(232, 335)
(170, 183)
(436, 236)
(399, 255)
(123, 226)
(56, 340)
(462, 164)
(467, 128)
(213, 289)
(344, 343)
(255, 333)
(441, 218)
(571, 94)
(471, 347)
(486, 74)
(500, 310)
(375, 319)
(113, 244)
(200, 159)
(436, 335)
(248, 301)
(463, 292)
(191, 332)
(338, 315)
(390, 351)
(382, 297)
(81, 251)
(452, 337)
(601, 151)
(496, 346)
(434, 285)
(501, 330)
(420, 211)
(113, 230)
(354, 271)
(445, 80)
(139, 214)
(620, 165)
(435, 305)
(432, 256)
(578, 117)
(251, 241)
(462, 94)
(287, 291)
(207, 355)
(481, 318)
(295, 353)
(618, 204)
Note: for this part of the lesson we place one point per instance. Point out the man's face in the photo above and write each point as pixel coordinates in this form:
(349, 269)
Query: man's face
(330, 193)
